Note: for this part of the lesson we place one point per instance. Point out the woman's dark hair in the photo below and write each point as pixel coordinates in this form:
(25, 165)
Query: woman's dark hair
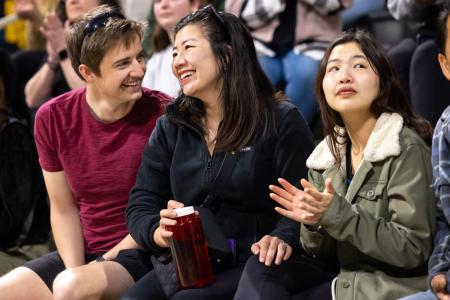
(246, 94)
(391, 97)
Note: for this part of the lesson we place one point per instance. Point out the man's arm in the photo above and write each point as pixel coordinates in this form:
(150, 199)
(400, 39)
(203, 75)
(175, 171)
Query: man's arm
(65, 220)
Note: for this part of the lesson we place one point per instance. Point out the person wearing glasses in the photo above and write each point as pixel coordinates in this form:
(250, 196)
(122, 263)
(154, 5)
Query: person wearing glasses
(230, 125)
(90, 142)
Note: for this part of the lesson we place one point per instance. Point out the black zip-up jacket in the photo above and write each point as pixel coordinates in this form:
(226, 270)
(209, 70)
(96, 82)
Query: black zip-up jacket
(176, 165)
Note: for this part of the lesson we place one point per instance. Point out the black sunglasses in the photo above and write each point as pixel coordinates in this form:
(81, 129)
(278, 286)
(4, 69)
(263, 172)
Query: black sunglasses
(100, 21)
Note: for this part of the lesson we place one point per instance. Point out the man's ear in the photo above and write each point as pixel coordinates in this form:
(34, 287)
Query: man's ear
(86, 72)
(445, 65)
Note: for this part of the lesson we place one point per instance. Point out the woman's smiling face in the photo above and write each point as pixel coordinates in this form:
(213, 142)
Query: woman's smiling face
(194, 63)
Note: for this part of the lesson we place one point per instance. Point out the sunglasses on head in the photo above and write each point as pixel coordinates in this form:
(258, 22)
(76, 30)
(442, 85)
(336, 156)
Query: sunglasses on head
(100, 21)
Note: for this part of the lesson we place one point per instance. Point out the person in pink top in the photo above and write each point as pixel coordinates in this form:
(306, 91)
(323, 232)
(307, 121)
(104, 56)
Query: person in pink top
(90, 143)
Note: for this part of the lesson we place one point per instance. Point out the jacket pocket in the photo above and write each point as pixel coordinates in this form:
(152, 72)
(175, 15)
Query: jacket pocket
(370, 197)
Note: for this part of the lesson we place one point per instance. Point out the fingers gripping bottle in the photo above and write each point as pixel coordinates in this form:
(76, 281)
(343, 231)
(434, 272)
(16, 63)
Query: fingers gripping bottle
(190, 250)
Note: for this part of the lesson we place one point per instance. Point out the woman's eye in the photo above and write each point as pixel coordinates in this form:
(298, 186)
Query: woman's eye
(333, 68)
(359, 66)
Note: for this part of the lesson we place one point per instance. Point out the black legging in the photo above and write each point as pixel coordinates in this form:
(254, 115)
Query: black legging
(298, 278)
(223, 288)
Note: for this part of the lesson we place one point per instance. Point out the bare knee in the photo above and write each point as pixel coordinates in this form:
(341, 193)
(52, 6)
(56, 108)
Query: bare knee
(23, 283)
(67, 285)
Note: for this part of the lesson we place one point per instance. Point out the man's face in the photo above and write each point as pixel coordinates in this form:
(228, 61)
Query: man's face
(444, 60)
(121, 72)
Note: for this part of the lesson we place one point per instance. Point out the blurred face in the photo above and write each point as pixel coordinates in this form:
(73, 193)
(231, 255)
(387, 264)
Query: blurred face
(350, 83)
(75, 9)
(121, 72)
(444, 60)
(195, 65)
(169, 12)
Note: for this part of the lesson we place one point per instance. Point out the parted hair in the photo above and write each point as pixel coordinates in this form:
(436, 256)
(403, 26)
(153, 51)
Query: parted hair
(89, 49)
(246, 95)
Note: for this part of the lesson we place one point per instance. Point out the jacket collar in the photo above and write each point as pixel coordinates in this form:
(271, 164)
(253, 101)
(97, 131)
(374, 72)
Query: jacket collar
(384, 141)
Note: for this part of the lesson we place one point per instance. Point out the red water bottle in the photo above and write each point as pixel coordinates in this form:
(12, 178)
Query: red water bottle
(189, 250)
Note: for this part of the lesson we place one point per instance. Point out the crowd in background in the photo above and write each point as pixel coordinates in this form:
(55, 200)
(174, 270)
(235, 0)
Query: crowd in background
(294, 42)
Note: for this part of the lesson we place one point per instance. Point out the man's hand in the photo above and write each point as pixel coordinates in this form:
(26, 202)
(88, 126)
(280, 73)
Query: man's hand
(439, 287)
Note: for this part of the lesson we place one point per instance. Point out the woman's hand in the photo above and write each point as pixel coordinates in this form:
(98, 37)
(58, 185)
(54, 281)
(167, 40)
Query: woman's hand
(161, 236)
(270, 247)
(306, 206)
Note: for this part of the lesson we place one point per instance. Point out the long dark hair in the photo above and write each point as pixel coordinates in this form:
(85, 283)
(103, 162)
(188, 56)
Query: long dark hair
(391, 97)
(247, 94)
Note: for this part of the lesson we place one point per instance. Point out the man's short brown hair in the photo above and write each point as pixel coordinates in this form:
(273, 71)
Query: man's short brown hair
(90, 46)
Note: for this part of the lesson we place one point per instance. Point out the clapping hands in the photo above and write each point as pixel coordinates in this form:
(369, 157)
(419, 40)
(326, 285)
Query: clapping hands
(307, 206)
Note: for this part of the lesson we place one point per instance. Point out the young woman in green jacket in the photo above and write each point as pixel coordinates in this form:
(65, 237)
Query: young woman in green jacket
(367, 203)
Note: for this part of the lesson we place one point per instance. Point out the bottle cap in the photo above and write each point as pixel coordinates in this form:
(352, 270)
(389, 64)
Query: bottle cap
(184, 211)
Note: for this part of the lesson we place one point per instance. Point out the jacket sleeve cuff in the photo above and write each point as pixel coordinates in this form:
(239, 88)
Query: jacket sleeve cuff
(289, 232)
(333, 215)
(154, 248)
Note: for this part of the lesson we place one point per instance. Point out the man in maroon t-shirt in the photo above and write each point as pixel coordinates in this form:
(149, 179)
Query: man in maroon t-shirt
(90, 143)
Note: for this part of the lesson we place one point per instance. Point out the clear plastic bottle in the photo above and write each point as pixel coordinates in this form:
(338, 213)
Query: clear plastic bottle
(190, 250)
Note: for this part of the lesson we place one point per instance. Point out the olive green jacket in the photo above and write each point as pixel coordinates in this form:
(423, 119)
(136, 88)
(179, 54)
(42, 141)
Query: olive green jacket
(380, 228)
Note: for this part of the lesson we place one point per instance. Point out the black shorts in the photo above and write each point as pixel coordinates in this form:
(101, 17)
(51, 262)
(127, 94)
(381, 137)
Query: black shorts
(136, 261)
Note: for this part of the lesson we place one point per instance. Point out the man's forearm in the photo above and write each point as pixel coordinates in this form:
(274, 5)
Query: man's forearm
(68, 237)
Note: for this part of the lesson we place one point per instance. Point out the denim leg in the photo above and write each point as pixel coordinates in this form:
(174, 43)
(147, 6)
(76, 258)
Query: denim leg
(300, 75)
(428, 295)
(272, 67)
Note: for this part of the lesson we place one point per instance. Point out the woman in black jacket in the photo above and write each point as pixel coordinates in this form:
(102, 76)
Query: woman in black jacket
(228, 113)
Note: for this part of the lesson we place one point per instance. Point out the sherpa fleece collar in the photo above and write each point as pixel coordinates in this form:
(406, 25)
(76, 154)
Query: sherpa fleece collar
(384, 141)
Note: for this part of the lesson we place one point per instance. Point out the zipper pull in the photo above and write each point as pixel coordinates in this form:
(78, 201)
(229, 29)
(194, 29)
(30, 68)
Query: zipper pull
(209, 165)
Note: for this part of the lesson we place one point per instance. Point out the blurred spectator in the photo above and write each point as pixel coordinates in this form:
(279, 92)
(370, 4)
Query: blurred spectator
(24, 213)
(415, 57)
(136, 9)
(148, 36)
(34, 11)
(290, 37)
(13, 35)
(56, 75)
(167, 13)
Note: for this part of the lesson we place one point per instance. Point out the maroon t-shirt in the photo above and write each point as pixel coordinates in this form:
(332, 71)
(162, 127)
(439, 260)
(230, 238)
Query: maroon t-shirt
(100, 160)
